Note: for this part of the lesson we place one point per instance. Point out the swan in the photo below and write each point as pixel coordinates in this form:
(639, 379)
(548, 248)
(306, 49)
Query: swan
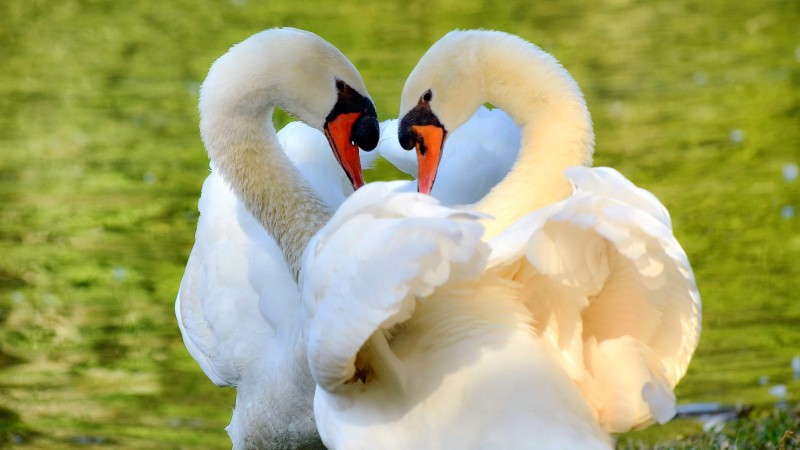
(413, 344)
(557, 309)
(238, 306)
(598, 266)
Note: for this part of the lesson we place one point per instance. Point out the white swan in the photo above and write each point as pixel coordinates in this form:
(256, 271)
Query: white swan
(238, 307)
(413, 345)
(602, 273)
(573, 316)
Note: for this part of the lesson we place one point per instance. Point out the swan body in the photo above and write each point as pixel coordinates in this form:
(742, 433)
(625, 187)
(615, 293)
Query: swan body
(557, 309)
(604, 279)
(414, 345)
(238, 307)
(438, 338)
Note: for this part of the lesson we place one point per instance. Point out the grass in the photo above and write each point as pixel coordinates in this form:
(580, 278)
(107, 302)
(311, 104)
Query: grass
(101, 166)
(778, 428)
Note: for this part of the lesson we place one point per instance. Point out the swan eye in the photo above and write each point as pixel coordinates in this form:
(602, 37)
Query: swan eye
(427, 96)
(340, 85)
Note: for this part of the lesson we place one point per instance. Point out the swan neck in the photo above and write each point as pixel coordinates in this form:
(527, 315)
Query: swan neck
(556, 132)
(246, 150)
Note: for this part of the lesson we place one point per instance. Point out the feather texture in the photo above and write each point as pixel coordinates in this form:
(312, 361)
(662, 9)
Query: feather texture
(414, 345)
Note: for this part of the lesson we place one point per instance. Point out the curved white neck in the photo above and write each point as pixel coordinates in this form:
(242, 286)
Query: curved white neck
(243, 145)
(544, 100)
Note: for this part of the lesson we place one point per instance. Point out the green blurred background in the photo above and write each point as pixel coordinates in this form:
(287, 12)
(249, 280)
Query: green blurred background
(101, 166)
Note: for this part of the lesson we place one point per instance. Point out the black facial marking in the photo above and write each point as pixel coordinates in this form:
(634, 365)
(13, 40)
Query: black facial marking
(365, 131)
(419, 115)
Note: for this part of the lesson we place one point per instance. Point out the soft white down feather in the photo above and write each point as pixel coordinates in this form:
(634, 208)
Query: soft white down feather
(414, 344)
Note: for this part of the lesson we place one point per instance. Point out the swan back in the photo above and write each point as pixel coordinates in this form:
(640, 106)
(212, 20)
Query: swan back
(310, 153)
(482, 150)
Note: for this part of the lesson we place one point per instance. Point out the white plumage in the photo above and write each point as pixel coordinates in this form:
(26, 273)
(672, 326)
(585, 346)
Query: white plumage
(238, 307)
(571, 315)
(484, 149)
(608, 286)
(415, 345)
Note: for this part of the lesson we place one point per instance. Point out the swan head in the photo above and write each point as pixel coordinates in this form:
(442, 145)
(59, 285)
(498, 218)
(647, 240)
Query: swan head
(351, 124)
(441, 93)
(302, 74)
(466, 69)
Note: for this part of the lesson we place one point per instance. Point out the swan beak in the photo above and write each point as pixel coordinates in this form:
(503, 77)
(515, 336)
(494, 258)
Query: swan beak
(338, 131)
(429, 154)
(421, 128)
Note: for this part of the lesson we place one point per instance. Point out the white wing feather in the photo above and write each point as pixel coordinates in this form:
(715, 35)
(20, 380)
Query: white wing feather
(447, 355)
(310, 152)
(399, 247)
(219, 301)
(238, 306)
(611, 288)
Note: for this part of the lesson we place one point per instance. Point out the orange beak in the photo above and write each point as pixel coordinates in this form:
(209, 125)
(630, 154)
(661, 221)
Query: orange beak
(429, 154)
(338, 131)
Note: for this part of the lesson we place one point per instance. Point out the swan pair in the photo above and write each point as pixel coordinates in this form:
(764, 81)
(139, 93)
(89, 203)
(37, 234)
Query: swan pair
(557, 309)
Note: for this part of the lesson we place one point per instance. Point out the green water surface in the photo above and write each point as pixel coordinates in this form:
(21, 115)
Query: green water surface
(101, 166)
